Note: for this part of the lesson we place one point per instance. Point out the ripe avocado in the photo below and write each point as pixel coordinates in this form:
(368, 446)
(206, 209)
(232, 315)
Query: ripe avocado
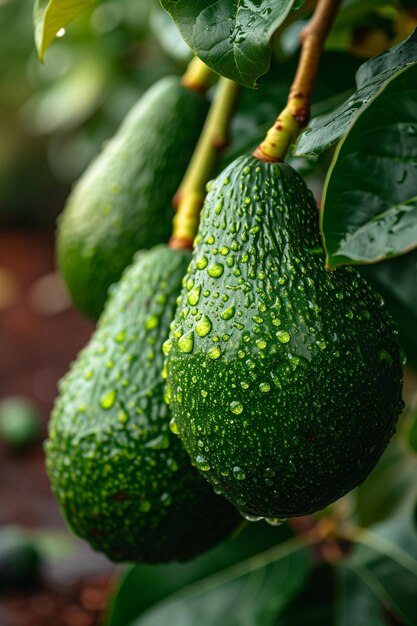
(122, 203)
(285, 379)
(123, 480)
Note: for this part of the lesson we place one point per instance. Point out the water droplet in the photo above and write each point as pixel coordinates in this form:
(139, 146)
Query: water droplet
(214, 353)
(203, 327)
(167, 346)
(120, 337)
(251, 518)
(108, 399)
(215, 270)
(236, 407)
(89, 375)
(224, 250)
(202, 464)
(274, 521)
(228, 313)
(261, 344)
(194, 296)
(265, 387)
(173, 426)
(152, 322)
(123, 417)
(186, 342)
(201, 263)
(283, 336)
(321, 344)
(239, 473)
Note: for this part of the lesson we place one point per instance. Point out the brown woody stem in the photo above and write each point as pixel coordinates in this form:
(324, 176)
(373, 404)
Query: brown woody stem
(296, 114)
(191, 193)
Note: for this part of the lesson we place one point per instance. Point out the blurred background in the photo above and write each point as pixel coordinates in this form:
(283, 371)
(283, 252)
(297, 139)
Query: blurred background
(54, 117)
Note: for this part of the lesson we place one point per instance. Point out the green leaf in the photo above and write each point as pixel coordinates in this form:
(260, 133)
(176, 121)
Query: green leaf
(326, 130)
(254, 591)
(144, 585)
(396, 280)
(230, 36)
(356, 603)
(314, 606)
(49, 16)
(370, 193)
(385, 560)
(391, 488)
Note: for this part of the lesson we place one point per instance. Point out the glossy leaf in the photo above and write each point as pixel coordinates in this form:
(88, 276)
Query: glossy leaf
(396, 280)
(253, 591)
(326, 130)
(370, 193)
(231, 36)
(356, 603)
(49, 16)
(385, 560)
(144, 585)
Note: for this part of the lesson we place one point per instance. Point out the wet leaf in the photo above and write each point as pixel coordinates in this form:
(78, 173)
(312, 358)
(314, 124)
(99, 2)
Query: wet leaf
(384, 558)
(326, 130)
(144, 585)
(231, 37)
(370, 193)
(253, 591)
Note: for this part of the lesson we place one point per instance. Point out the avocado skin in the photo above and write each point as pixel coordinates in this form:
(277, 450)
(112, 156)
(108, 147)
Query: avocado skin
(289, 402)
(123, 480)
(123, 201)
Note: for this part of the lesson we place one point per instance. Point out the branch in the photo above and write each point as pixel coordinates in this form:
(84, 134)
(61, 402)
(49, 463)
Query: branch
(198, 76)
(191, 193)
(296, 114)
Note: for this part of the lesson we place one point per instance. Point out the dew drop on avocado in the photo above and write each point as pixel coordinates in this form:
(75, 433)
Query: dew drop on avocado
(194, 296)
(203, 327)
(201, 263)
(186, 342)
(228, 313)
(214, 353)
(236, 407)
(108, 399)
(215, 270)
(202, 464)
(238, 473)
(283, 336)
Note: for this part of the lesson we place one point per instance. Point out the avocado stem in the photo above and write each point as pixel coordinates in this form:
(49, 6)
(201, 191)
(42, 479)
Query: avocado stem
(198, 76)
(190, 196)
(296, 114)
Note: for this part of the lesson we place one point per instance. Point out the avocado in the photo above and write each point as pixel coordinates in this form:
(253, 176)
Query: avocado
(123, 201)
(123, 480)
(284, 378)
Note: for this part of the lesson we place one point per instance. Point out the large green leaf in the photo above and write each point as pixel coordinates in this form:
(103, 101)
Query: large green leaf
(231, 36)
(314, 606)
(370, 193)
(385, 560)
(392, 486)
(254, 591)
(49, 16)
(356, 605)
(145, 585)
(325, 130)
(396, 280)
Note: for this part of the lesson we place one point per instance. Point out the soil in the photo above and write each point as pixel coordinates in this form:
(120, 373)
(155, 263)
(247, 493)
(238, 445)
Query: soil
(40, 334)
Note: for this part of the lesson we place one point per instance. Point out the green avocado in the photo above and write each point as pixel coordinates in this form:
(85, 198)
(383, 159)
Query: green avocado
(123, 480)
(285, 379)
(123, 202)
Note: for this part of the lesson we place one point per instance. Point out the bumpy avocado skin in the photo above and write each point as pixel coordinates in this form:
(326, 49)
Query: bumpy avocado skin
(285, 379)
(123, 480)
(123, 201)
